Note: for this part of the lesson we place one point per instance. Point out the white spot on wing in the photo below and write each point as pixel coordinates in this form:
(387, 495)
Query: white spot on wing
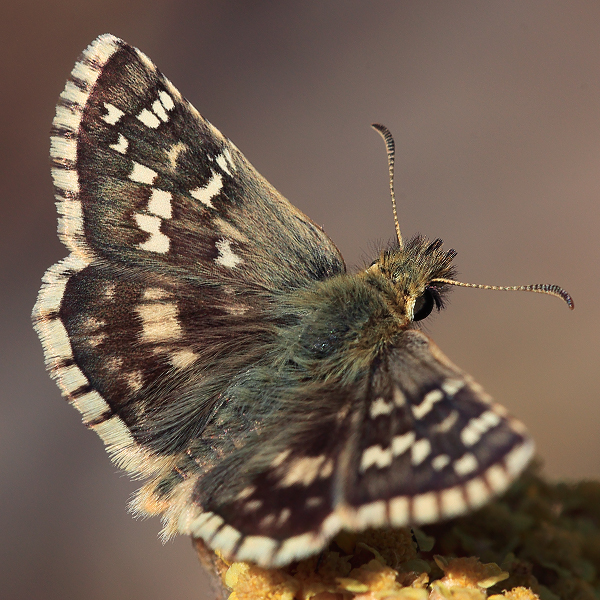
(229, 230)
(326, 469)
(477, 426)
(401, 443)
(296, 546)
(158, 242)
(222, 162)
(92, 324)
(159, 111)
(372, 514)
(206, 193)
(85, 74)
(236, 309)
(166, 100)
(497, 478)
(284, 515)
(227, 155)
(451, 386)
(142, 174)
(257, 548)
(420, 451)
(267, 521)
(160, 322)
(160, 203)
(447, 424)
(376, 455)
(96, 54)
(303, 471)
(173, 153)
(313, 501)
(399, 397)
(380, 407)
(135, 380)
(72, 378)
(72, 93)
(91, 405)
(182, 358)
(121, 145)
(66, 118)
(226, 539)
(210, 526)
(70, 223)
(477, 492)
(145, 61)
(252, 505)
(149, 119)
(490, 418)
(431, 398)
(227, 258)
(52, 332)
(246, 492)
(66, 179)
(197, 523)
(114, 363)
(100, 50)
(113, 114)
(114, 433)
(155, 293)
(517, 459)
(280, 458)
(440, 461)
(109, 290)
(466, 464)
(94, 340)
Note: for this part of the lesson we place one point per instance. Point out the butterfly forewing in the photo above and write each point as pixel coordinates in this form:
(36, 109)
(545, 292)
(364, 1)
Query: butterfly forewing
(172, 233)
(159, 188)
(207, 331)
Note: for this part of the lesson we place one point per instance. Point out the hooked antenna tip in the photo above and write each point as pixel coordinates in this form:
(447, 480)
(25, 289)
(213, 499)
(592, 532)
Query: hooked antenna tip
(540, 288)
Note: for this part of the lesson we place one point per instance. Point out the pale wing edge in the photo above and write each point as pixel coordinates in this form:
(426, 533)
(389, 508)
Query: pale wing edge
(58, 352)
(399, 511)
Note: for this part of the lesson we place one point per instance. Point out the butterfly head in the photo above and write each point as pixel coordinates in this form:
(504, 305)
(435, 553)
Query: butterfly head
(411, 272)
(420, 271)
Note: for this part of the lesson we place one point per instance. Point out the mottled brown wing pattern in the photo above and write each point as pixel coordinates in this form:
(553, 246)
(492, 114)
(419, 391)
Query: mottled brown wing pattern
(414, 442)
(208, 332)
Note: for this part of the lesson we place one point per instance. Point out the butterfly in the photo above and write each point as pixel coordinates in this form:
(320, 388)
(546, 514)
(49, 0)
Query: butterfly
(210, 334)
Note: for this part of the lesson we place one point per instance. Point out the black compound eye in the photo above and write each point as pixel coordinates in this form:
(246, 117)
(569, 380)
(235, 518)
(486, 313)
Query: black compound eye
(425, 303)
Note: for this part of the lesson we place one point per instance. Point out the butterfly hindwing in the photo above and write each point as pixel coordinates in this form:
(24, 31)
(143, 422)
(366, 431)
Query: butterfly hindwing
(282, 497)
(144, 345)
(384, 451)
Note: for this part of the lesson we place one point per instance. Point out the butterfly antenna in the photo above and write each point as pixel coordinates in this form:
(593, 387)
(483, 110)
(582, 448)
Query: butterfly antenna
(391, 153)
(540, 288)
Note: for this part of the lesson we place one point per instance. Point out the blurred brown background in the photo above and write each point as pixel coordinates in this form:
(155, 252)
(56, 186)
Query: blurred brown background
(495, 107)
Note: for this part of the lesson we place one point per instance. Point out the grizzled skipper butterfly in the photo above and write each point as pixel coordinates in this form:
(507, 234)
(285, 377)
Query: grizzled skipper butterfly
(209, 333)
